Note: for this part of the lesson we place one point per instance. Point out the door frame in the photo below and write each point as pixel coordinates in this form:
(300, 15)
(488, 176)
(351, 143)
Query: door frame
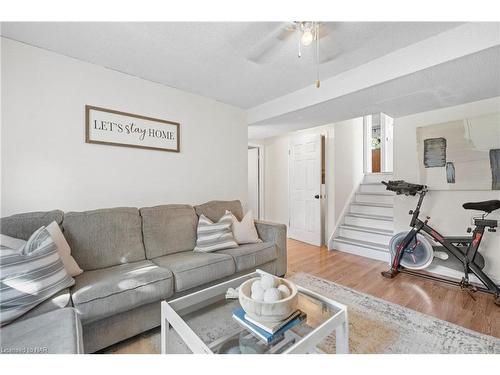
(385, 120)
(367, 144)
(260, 215)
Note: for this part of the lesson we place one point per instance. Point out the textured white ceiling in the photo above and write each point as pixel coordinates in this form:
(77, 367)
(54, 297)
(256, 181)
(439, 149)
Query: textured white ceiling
(467, 79)
(217, 59)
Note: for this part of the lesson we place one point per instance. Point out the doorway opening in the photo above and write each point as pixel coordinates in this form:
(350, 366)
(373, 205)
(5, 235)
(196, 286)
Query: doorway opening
(375, 148)
(378, 143)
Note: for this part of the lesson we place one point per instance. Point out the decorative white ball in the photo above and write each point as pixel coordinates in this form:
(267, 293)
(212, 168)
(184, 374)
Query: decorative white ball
(272, 295)
(267, 281)
(258, 295)
(285, 292)
(256, 285)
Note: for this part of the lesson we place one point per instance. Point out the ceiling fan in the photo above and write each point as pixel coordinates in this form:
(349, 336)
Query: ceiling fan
(307, 33)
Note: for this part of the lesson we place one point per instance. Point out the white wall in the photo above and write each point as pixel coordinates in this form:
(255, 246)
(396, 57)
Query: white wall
(253, 181)
(347, 167)
(46, 164)
(344, 164)
(444, 207)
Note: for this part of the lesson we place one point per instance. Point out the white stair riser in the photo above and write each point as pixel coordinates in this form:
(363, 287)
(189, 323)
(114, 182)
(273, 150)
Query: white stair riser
(365, 236)
(362, 251)
(370, 188)
(367, 198)
(372, 210)
(378, 177)
(371, 223)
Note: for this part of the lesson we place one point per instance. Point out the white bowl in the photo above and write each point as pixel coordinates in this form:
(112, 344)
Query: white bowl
(268, 311)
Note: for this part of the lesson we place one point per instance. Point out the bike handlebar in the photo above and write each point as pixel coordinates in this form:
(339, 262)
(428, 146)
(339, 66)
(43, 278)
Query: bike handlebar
(403, 187)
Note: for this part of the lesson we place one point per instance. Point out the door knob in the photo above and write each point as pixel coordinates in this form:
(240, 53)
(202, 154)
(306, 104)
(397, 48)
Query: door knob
(316, 196)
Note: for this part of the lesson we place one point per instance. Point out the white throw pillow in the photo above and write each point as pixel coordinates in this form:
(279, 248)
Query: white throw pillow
(11, 243)
(64, 250)
(244, 231)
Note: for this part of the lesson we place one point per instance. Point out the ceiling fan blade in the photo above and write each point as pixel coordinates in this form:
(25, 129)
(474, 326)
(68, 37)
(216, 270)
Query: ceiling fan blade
(273, 41)
(326, 28)
(286, 33)
(323, 31)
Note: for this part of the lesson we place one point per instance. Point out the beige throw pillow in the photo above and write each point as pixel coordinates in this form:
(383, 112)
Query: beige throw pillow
(64, 250)
(244, 231)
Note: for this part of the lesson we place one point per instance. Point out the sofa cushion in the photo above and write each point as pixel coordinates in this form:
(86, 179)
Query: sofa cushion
(59, 300)
(105, 237)
(55, 332)
(24, 225)
(101, 293)
(168, 229)
(192, 269)
(250, 256)
(214, 210)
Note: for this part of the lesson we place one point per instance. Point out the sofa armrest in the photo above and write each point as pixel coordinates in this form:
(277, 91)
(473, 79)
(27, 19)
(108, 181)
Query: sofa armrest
(276, 233)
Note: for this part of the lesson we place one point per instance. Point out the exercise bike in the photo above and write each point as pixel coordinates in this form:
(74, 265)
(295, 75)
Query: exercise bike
(411, 251)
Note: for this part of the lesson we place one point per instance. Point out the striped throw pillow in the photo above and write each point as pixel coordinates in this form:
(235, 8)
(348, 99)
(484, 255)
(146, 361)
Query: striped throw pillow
(30, 275)
(214, 236)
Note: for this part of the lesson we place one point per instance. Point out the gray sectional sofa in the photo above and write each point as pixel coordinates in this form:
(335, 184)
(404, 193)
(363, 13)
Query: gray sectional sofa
(132, 260)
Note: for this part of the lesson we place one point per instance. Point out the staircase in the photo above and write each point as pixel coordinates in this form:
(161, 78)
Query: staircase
(368, 225)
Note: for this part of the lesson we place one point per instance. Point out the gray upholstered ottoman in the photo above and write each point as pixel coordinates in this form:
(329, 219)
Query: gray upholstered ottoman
(58, 331)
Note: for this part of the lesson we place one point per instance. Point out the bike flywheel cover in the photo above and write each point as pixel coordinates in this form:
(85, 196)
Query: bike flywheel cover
(417, 255)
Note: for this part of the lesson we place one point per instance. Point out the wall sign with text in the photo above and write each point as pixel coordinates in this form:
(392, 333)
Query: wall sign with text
(109, 127)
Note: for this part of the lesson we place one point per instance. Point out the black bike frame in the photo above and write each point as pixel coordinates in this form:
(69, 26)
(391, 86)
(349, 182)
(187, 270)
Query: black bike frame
(472, 242)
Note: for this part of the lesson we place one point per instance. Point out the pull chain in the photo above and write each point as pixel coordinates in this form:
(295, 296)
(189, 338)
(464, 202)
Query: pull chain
(317, 55)
(300, 53)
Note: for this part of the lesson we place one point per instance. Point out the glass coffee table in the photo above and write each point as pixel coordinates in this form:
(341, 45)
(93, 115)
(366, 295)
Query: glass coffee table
(203, 322)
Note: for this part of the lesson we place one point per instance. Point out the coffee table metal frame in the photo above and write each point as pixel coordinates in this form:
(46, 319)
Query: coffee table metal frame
(170, 319)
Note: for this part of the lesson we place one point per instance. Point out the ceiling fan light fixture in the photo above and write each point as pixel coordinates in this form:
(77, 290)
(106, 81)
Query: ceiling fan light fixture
(307, 37)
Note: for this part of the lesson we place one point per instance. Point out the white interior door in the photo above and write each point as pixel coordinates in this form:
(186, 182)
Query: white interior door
(305, 189)
(253, 181)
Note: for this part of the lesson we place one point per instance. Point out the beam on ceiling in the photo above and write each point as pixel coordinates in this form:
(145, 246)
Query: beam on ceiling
(449, 45)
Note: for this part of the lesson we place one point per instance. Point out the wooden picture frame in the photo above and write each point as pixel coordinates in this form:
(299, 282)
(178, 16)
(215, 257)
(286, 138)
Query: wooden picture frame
(115, 128)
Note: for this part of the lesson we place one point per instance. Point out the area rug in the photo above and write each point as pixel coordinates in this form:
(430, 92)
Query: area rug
(375, 326)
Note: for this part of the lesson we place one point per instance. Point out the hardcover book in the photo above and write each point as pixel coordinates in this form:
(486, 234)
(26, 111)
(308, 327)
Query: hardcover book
(272, 327)
(263, 335)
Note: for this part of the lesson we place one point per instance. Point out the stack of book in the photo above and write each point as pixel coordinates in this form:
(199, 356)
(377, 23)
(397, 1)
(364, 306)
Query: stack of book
(268, 332)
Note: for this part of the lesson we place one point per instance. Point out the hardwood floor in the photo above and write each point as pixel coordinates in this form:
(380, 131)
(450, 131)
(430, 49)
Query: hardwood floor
(443, 301)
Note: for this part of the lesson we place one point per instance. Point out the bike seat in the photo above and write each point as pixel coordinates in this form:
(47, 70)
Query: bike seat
(486, 206)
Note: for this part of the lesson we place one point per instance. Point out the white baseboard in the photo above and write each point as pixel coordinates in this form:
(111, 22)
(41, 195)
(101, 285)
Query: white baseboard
(449, 272)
